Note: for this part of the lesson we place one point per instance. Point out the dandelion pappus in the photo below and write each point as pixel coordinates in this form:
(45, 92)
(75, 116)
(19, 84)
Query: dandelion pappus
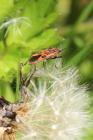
(46, 54)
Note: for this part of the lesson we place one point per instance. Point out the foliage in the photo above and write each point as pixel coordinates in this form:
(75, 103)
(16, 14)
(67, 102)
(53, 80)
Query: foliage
(25, 28)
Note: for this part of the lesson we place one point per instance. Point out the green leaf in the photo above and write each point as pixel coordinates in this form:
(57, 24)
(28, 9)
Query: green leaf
(1, 48)
(34, 21)
(8, 66)
(86, 12)
(45, 7)
(5, 6)
(6, 91)
(47, 39)
(81, 55)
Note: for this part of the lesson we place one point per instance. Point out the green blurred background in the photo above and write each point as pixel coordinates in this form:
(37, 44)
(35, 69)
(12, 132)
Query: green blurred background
(27, 26)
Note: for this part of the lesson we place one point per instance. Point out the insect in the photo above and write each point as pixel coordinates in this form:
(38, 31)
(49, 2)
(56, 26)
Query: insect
(46, 54)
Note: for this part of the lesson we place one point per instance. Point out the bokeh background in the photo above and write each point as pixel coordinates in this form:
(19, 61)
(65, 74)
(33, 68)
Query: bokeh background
(29, 26)
(76, 25)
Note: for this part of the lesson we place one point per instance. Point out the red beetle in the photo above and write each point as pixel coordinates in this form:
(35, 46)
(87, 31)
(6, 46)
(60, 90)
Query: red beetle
(46, 54)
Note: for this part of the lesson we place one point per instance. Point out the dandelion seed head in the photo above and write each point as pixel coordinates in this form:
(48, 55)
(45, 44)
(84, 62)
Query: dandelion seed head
(59, 108)
(14, 23)
(56, 112)
(54, 127)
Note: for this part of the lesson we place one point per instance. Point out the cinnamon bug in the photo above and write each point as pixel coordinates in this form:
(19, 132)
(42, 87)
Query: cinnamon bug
(46, 54)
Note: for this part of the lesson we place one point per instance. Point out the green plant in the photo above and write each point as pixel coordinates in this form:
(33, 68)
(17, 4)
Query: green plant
(25, 27)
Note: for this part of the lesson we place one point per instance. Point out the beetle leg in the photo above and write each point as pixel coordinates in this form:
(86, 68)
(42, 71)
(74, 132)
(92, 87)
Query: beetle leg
(45, 64)
(56, 58)
(21, 75)
(28, 78)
